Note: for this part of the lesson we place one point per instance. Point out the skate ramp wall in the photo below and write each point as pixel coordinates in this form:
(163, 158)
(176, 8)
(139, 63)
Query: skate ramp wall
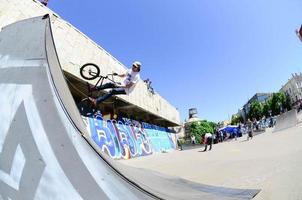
(43, 155)
(286, 120)
(123, 140)
(45, 150)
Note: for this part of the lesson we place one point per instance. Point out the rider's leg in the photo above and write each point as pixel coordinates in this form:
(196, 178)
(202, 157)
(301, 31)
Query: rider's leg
(111, 92)
(105, 86)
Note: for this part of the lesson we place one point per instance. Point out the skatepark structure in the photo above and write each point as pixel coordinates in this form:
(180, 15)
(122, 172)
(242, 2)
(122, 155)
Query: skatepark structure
(286, 120)
(45, 150)
(74, 49)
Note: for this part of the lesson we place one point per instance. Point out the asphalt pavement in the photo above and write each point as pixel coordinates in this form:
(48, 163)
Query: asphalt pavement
(270, 161)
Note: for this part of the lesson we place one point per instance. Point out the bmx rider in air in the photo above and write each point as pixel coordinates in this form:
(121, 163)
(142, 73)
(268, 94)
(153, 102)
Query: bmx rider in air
(131, 77)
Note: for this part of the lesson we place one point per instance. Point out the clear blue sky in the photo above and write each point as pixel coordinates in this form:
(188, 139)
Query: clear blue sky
(212, 55)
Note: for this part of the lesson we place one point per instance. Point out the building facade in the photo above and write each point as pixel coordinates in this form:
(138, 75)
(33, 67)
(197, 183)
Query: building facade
(293, 89)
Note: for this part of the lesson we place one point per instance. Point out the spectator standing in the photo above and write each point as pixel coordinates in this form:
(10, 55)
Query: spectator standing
(235, 133)
(250, 129)
(255, 124)
(149, 87)
(179, 145)
(193, 140)
(44, 2)
(208, 140)
(221, 136)
(239, 130)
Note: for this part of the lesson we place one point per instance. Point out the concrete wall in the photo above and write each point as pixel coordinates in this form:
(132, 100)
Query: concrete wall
(75, 49)
(124, 140)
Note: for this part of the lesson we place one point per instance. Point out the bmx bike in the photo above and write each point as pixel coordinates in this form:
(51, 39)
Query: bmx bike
(91, 71)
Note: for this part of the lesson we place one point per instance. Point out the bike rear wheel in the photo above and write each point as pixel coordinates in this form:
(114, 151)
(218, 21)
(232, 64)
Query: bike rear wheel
(89, 71)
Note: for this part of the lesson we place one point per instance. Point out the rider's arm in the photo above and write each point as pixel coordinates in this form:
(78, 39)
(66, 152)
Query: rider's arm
(122, 75)
(129, 85)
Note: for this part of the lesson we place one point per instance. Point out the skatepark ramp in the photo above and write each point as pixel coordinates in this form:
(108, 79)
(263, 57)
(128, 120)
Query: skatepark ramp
(45, 151)
(286, 120)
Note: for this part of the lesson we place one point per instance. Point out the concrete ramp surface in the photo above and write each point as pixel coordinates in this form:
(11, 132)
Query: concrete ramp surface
(45, 151)
(286, 120)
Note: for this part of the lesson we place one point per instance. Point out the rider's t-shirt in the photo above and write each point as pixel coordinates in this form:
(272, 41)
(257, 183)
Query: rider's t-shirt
(131, 77)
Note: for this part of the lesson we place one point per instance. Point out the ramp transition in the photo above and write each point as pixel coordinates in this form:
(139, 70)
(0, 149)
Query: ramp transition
(45, 151)
(286, 120)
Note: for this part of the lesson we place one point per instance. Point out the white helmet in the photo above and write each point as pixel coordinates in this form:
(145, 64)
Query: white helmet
(137, 64)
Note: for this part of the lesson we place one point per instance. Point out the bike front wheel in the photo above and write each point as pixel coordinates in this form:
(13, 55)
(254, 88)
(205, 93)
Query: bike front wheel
(89, 71)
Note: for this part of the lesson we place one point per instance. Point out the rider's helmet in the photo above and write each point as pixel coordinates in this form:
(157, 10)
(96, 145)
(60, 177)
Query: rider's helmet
(137, 65)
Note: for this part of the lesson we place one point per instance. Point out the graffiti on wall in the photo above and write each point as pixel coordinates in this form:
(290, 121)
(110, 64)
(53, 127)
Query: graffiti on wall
(127, 139)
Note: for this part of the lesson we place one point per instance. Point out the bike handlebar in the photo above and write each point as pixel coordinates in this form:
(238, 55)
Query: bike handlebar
(111, 79)
(113, 74)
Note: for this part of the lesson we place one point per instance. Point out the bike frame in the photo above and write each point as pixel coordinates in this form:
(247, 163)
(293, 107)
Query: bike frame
(102, 78)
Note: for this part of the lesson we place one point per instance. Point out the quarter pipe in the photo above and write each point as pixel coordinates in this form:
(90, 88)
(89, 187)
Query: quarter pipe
(45, 151)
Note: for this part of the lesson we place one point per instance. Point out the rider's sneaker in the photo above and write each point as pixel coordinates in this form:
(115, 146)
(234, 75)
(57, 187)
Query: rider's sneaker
(92, 100)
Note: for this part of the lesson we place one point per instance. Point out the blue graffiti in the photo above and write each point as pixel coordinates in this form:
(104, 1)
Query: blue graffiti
(103, 134)
(123, 139)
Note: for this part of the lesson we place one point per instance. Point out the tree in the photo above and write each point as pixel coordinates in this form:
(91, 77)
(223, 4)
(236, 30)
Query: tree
(235, 119)
(199, 128)
(279, 103)
(267, 108)
(288, 104)
(255, 110)
(213, 125)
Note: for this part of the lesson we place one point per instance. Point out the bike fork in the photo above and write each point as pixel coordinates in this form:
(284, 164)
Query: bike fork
(101, 79)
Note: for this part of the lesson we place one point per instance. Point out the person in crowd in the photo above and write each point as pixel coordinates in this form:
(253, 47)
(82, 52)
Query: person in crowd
(300, 107)
(240, 129)
(44, 2)
(208, 140)
(235, 133)
(255, 124)
(221, 136)
(271, 122)
(250, 129)
(149, 87)
(179, 145)
(193, 140)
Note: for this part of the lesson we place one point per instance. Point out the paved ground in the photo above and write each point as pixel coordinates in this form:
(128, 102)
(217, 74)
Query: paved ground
(300, 116)
(270, 161)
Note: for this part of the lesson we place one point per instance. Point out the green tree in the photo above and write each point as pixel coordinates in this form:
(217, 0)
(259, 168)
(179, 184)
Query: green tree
(199, 128)
(279, 102)
(267, 107)
(235, 119)
(288, 104)
(255, 110)
(213, 125)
